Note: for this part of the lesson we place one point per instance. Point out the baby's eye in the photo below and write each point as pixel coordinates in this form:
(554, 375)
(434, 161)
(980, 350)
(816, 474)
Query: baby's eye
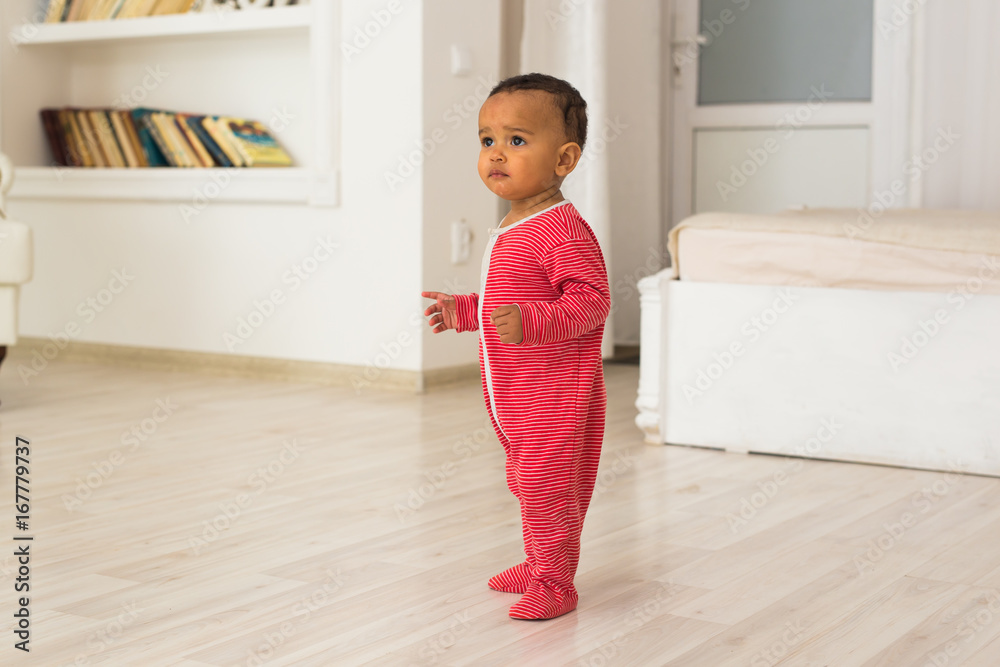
(487, 142)
(517, 141)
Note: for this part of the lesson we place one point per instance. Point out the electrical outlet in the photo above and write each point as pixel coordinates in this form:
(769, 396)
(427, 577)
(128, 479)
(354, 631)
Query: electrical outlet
(461, 242)
(461, 60)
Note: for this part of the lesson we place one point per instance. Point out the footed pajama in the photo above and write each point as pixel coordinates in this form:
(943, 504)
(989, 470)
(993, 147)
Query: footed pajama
(545, 396)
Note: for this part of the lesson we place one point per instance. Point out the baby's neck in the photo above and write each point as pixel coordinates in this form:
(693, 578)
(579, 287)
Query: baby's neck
(527, 207)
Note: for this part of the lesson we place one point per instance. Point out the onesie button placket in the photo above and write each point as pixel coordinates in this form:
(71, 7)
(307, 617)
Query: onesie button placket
(494, 234)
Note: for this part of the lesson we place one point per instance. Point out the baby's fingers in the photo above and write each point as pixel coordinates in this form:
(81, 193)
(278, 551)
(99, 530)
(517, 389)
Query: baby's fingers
(500, 313)
(438, 324)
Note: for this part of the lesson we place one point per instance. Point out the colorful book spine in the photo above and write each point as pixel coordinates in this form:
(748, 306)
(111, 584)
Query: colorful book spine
(259, 147)
(213, 124)
(143, 137)
(133, 137)
(83, 151)
(106, 138)
(204, 158)
(124, 142)
(164, 140)
(154, 154)
(219, 157)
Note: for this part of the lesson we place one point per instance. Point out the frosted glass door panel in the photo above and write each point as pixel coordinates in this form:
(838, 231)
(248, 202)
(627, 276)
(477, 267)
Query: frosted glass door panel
(762, 51)
(765, 171)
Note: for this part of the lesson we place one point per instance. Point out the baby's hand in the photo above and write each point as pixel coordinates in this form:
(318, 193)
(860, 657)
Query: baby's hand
(507, 320)
(445, 316)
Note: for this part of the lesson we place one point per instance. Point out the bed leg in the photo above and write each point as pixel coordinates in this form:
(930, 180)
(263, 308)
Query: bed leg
(3, 353)
(651, 339)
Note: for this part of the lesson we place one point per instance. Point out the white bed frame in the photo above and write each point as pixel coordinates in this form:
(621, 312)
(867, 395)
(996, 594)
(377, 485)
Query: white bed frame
(829, 377)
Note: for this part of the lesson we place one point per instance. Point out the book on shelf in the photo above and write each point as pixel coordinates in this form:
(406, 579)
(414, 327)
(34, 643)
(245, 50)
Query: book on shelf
(89, 139)
(106, 138)
(255, 145)
(59, 11)
(223, 139)
(204, 158)
(198, 126)
(145, 137)
(154, 156)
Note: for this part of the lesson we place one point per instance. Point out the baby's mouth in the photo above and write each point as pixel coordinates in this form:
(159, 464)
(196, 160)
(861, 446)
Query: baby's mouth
(496, 173)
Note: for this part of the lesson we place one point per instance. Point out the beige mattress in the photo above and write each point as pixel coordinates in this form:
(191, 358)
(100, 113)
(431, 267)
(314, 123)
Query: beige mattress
(831, 248)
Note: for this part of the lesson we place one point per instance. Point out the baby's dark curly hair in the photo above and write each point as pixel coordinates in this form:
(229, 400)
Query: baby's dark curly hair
(566, 97)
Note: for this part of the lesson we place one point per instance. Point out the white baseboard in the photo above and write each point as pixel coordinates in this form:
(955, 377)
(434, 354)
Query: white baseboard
(292, 370)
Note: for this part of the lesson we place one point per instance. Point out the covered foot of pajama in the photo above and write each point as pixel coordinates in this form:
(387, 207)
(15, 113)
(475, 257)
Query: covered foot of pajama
(512, 580)
(542, 601)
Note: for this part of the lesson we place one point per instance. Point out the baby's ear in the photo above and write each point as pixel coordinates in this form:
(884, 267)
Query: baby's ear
(569, 157)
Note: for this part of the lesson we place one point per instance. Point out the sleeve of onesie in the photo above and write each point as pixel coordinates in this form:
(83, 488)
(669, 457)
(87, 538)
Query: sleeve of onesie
(467, 310)
(576, 271)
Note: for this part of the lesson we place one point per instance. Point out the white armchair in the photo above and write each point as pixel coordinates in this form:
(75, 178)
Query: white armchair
(16, 256)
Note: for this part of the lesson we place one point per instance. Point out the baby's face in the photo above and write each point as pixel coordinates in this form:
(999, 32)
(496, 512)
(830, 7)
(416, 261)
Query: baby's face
(520, 134)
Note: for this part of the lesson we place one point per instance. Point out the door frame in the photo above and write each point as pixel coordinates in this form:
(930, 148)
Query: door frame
(894, 114)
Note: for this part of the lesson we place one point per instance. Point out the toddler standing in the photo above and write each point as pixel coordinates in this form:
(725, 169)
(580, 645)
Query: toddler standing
(540, 314)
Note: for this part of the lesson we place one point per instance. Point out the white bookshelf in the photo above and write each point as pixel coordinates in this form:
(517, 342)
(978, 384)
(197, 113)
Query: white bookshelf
(284, 185)
(176, 26)
(40, 49)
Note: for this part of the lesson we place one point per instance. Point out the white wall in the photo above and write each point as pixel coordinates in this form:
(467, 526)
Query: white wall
(624, 141)
(452, 187)
(634, 157)
(962, 92)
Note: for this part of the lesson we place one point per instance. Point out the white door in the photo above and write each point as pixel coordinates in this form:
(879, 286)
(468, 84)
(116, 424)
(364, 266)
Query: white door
(786, 103)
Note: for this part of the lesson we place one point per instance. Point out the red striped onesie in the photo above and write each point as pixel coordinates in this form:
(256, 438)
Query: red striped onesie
(545, 396)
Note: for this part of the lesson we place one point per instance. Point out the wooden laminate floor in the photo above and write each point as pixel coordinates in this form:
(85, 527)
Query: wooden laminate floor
(185, 519)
